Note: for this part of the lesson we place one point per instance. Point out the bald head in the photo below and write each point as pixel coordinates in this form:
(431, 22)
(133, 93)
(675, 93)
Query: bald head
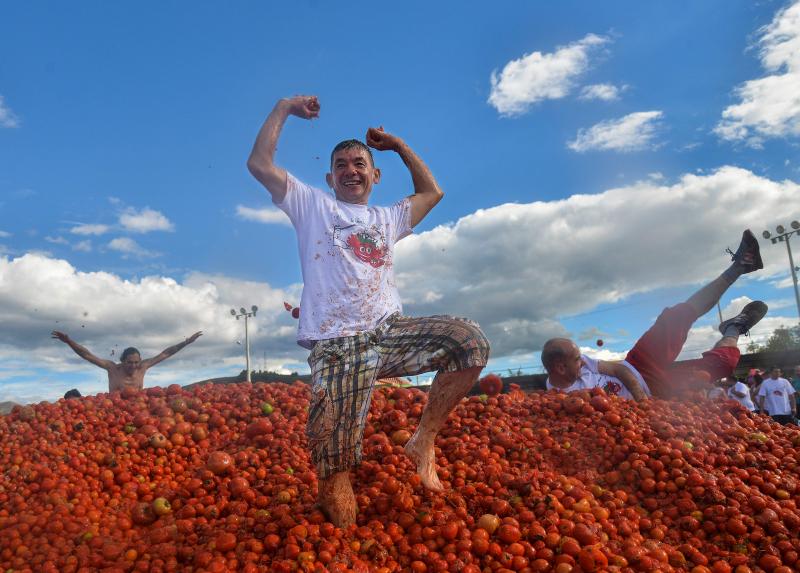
(556, 350)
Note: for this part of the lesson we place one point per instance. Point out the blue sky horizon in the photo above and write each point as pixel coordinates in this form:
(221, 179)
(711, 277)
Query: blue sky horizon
(596, 161)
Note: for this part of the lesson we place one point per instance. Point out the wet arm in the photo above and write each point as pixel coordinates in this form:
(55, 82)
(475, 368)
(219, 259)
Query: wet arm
(620, 371)
(261, 162)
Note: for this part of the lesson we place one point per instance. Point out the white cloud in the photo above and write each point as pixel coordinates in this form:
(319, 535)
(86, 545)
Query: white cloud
(532, 263)
(129, 247)
(769, 106)
(265, 215)
(90, 229)
(632, 132)
(7, 117)
(144, 221)
(536, 77)
(83, 246)
(57, 240)
(528, 265)
(104, 312)
(4, 234)
(604, 92)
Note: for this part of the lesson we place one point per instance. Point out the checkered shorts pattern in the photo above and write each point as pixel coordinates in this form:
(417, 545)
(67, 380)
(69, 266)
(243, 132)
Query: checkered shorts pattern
(344, 370)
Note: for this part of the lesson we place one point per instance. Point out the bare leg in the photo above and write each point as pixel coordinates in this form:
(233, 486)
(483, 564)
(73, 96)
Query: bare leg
(704, 300)
(446, 391)
(337, 500)
(727, 341)
(746, 260)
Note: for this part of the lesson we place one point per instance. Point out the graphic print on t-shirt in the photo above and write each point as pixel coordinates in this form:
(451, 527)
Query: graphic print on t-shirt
(368, 245)
(777, 393)
(612, 387)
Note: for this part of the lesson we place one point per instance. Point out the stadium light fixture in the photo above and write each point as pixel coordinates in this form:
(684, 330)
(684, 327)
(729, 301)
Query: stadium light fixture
(783, 236)
(244, 314)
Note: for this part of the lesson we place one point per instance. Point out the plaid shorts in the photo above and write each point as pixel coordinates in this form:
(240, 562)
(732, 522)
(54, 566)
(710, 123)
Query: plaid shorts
(344, 370)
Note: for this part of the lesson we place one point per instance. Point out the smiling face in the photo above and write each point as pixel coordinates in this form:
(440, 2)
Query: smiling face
(353, 175)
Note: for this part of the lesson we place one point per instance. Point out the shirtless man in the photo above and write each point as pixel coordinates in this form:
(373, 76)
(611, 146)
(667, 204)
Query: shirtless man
(129, 373)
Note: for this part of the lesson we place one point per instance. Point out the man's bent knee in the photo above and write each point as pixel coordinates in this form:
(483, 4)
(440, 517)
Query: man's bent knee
(471, 347)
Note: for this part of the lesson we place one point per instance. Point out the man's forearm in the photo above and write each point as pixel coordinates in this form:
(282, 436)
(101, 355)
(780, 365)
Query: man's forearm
(631, 383)
(262, 157)
(423, 180)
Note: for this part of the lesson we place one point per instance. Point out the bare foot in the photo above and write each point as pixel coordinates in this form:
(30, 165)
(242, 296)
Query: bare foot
(423, 457)
(336, 499)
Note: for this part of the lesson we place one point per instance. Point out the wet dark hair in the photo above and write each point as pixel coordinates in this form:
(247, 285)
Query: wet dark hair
(74, 393)
(352, 144)
(128, 351)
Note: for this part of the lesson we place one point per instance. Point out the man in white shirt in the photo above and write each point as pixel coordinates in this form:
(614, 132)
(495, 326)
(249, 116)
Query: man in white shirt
(350, 314)
(649, 368)
(741, 393)
(776, 398)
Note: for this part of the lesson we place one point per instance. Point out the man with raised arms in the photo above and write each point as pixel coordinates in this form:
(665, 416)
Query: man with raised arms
(650, 368)
(129, 373)
(351, 317)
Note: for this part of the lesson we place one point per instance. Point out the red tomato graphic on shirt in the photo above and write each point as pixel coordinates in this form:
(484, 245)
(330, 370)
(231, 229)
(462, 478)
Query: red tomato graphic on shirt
(612, 388)
(366, 249)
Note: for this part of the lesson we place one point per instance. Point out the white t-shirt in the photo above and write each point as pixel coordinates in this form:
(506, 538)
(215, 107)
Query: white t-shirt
(590, 378)
(346, 255)
(747, 401)
(776, 393)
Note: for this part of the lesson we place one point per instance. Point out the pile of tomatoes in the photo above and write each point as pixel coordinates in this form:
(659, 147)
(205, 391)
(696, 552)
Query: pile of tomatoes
(217, 478)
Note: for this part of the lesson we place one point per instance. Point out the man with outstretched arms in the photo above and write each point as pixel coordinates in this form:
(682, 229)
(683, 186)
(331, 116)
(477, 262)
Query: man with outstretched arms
(351, 317)
(129, 373)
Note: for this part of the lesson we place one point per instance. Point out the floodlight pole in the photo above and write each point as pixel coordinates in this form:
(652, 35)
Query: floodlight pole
(244, 313)
(783, 236)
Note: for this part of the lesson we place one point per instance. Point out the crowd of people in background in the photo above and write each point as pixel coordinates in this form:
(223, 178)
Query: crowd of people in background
(764, 392)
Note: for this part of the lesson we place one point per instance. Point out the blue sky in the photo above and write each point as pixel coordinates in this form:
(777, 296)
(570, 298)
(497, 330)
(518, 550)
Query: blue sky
(597, 158)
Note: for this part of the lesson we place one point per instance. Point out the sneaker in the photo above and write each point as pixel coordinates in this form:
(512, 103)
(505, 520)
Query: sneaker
(747, 319)
(748, 255)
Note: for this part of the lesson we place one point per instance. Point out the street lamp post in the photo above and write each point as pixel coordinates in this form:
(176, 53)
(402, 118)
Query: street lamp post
(244, 313)
(783, 237)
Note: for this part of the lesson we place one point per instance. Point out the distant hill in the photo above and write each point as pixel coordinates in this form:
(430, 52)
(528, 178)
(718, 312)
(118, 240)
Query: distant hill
(6, 407)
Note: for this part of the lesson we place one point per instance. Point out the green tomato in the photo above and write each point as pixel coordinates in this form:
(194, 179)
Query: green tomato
(161, 506)
(266, 408)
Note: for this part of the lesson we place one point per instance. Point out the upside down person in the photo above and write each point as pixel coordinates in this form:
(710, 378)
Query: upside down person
(649, 369)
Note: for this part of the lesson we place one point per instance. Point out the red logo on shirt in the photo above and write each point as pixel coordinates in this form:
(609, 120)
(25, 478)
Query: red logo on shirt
(777, 393)
(367, 249)
(612, 388)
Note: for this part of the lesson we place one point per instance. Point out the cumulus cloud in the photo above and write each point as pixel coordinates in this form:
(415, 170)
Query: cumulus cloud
(604, 92)
(129, 247)
(7, 117)
(57, 240)
(264, 215)
(106, 313)
(84, 246)
(144, 221)
(4, 234)
(532, 263)
(90, 229)
(515, 268)
(536, 76)
(769, 106)
(633, 132)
